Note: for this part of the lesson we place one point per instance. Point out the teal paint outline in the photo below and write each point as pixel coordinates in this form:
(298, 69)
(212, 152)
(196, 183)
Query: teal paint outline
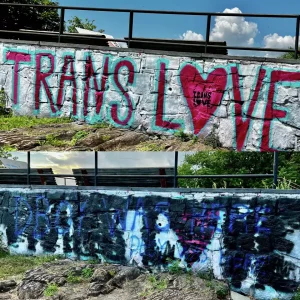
(156, 79)
(35, 111)
(117, 102)
(64, 54)
(204, 76)
(292, 84)
(31, 63)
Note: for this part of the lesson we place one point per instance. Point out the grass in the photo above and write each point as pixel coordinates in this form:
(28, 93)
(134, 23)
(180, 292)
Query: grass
(175, 268)
(155, 285)
(52, 139)
(51, 290)
(101, 125)
(73, 279)
(78, 136)
(185, 137)
(11, 122)
(149, 146)
(87, 273)
(13, 265)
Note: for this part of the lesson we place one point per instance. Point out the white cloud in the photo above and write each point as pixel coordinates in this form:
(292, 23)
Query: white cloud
(236, 31)
(191, 35)
(277, 41)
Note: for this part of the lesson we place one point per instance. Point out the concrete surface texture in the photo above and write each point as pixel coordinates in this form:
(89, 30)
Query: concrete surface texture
(250, 238)
(243, 103)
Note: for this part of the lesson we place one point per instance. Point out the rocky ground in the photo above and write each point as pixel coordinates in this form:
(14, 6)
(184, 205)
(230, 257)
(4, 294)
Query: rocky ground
(82, 137)
(69, 280)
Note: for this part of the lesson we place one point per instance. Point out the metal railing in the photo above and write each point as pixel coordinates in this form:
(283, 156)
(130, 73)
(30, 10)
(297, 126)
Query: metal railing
(175, 176)
(133, 12)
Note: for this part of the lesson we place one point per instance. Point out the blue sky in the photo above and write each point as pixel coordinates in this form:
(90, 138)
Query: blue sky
(236, 31)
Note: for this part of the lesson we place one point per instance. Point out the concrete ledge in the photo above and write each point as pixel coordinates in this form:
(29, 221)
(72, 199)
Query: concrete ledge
(170, 190)
(180, 54)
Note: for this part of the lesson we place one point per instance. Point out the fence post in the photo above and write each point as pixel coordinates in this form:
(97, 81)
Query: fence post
(207, 31)
(61, 23)
(130, 30)
(96, 168)
(28, 168)
(175, 169)
(275, 170)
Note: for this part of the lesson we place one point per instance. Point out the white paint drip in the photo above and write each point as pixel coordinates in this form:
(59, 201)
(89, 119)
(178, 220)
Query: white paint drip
(133, 236)
(167, 235)
(3, 235)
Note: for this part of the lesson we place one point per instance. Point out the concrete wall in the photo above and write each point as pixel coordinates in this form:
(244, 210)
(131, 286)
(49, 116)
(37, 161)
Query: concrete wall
(245, 103)
(250, 237)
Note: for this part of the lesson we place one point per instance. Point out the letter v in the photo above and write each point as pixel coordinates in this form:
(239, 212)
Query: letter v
(241, 125)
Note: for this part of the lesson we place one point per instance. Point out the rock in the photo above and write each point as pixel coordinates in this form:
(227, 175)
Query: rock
(96, 289)
(31, 290)
(126, 274)
(7, 285)
(101, 276)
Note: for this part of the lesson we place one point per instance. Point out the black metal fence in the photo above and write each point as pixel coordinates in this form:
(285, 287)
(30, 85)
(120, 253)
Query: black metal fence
(132, 13)
(175, 176)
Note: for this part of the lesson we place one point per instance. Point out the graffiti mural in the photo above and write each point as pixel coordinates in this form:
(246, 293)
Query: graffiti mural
(246, 104)
(248, 238)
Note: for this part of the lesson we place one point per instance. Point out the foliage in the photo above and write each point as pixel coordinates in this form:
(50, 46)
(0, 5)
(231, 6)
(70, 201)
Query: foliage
(101, 125)
(15, 18)
(12, 265)
(175, 268)
(297, 295)
(8, 123)
(149, 146)
(155, 285)
(222, 163)
(185, 137)
(87, 273)
(78, 136)
(289, 55)
(73, 279)
(51, 139)
(80, 23)
(51, 290)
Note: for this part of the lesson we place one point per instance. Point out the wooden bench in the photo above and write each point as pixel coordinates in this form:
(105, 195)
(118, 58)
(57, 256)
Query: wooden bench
(136, 181)
(36, 177)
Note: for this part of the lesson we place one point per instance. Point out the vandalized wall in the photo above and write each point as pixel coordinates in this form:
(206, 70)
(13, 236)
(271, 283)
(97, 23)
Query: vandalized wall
(245, 103)
(250, 238)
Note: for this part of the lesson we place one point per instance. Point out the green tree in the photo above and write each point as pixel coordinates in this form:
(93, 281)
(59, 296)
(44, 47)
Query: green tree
(289, 55)
(15, 18)
(80, 23)
(222, 163)
(5, 153)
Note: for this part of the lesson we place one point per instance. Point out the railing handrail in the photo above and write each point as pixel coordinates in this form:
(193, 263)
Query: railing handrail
(175, 176)
(175, 12)
(131, 12)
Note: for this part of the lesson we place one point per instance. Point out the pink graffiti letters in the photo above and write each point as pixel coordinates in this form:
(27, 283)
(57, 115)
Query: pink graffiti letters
(99, 93)
(40, 79)
(193, 84)
(131, 91)
(114, 107)
(242, 127)
(17, 57)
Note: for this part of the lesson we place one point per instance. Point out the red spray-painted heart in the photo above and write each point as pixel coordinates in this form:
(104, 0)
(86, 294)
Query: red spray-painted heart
(202, 96)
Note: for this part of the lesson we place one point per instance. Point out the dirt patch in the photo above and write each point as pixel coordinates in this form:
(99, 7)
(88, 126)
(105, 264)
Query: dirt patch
(74, 280)
(78, 136)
